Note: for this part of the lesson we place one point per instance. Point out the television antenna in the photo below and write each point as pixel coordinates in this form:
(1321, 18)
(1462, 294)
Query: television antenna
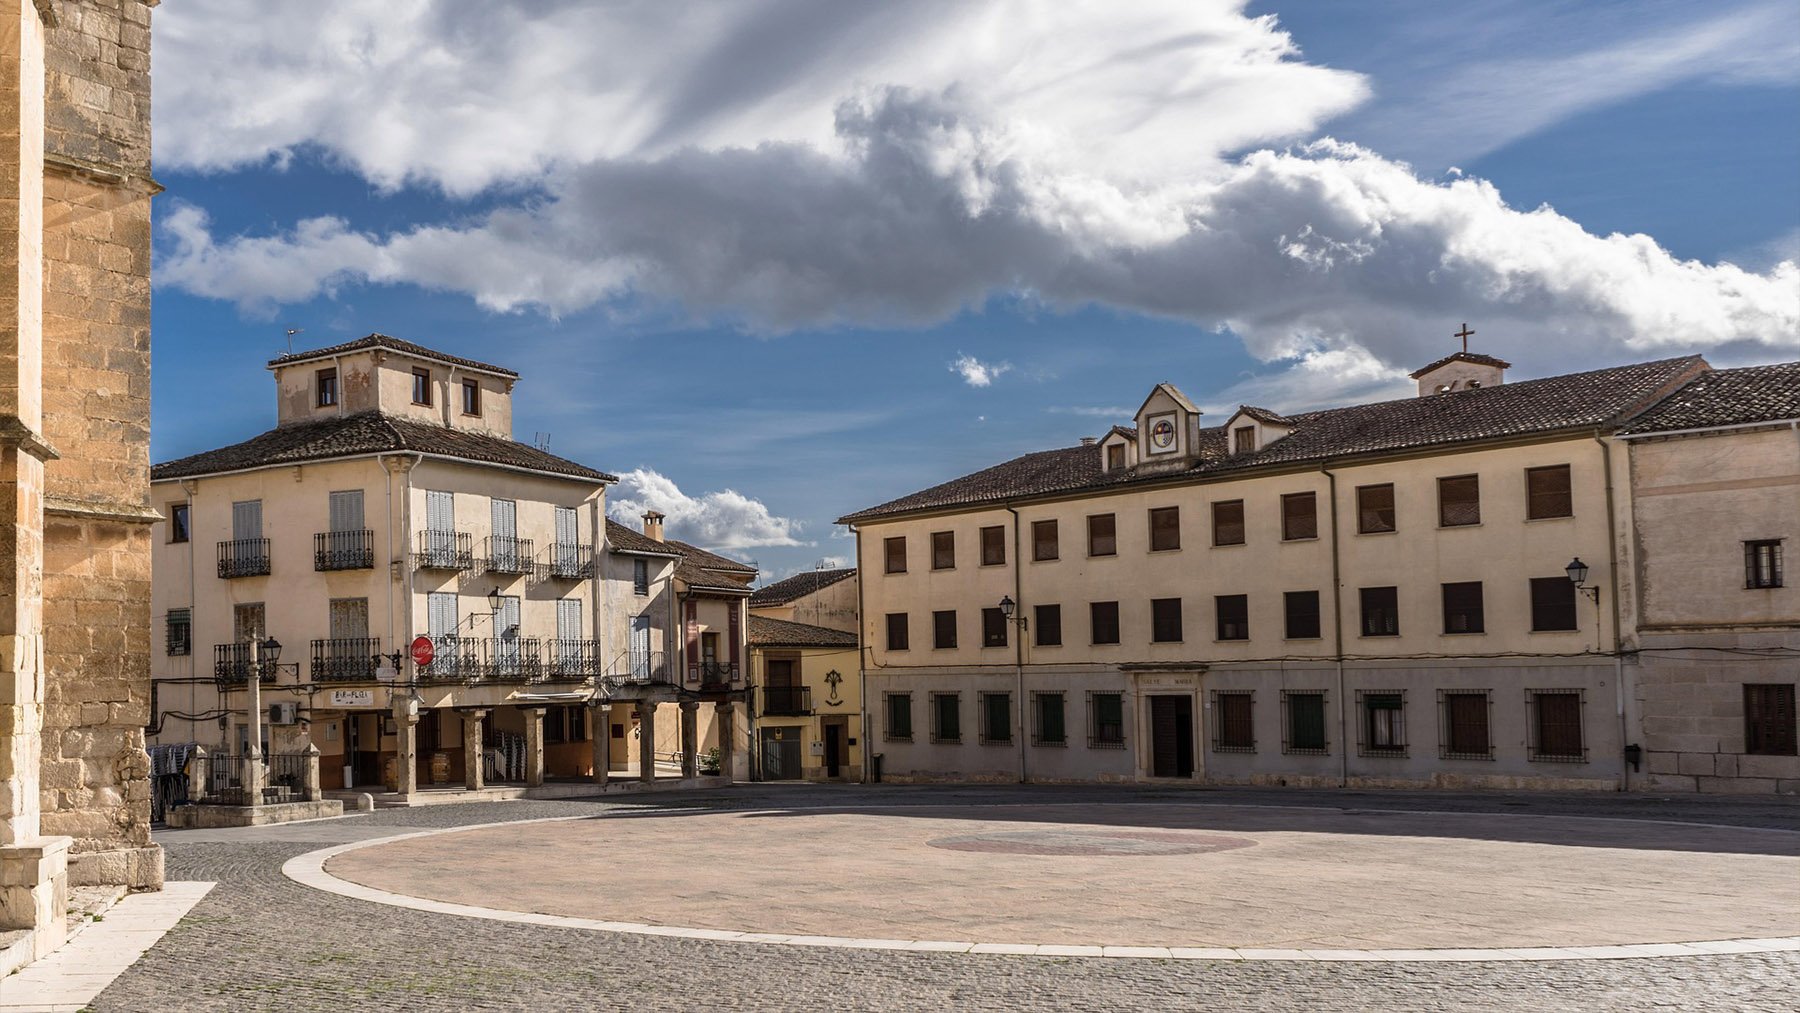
(291, 331)
(541, 441)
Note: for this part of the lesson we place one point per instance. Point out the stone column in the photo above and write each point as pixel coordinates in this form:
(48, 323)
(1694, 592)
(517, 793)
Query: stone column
(600, 724)
(406, 746)
(690, 736)
(315, 788)
(472, 756)
(197, 770)
(723, 712)
(534, 745)
(253, 758)
(646, 711)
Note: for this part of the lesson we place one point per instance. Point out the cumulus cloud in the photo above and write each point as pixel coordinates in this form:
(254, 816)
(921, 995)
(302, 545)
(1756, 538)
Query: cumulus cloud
(724, 520)
(976, 373)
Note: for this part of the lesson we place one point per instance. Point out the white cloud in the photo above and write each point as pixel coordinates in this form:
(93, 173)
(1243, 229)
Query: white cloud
(1092, 412)
(722, 521)
(1315, 378)
(976, 373)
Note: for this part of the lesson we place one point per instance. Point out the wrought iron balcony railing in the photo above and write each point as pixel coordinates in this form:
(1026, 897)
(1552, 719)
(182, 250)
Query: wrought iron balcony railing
(787, 701)
(571, 562)
(445, 550)
(509, 555)
(244, 557)
(640, 666)
(232, 665)
(453, 659)
(345, 659)
(573, 659)
(344, 550)
(512, 659)
(717, 673)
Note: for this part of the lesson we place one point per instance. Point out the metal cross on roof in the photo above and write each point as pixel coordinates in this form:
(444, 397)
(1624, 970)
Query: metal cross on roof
(1464, 334)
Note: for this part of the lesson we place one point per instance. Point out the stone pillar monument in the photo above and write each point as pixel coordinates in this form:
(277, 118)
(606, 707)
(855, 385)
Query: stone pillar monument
(406, 728)
(723, 712)
(646, 711)
(600, 725)
(534, 746)
(472, 751)
(690, 737)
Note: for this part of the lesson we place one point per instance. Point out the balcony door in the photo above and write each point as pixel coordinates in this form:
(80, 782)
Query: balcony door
(505, 515)
(506, 634)
(640, 647)
(568, 536)
(441, 624)
(348, 653)
(246, 520)
(568, 619)
(347, 511)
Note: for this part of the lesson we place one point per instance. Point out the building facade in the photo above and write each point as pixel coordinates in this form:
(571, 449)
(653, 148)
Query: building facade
(806, 678)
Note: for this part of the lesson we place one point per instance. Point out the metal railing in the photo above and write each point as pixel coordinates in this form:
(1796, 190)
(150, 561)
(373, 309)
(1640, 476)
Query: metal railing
(506, 554)
(571, 562)
(787, 701)
(510, 659)
(445, 550)
(453, 658)
(639, 667)
(286, 770)
(344, 550)
(717, 673)
(231, 664)
(573, 659)
(345, 659)
(244, 557)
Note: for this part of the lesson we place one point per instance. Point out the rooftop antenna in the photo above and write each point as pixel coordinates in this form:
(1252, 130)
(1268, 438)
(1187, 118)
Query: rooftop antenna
(290, 338)
(541, 441)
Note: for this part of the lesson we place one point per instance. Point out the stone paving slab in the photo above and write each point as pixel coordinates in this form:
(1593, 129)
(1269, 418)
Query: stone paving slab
(71, 977)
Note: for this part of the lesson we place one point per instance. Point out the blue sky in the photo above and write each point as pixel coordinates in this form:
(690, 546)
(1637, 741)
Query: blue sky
(778, 261)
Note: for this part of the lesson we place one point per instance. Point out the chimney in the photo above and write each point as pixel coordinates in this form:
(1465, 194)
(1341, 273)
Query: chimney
(1088, 441)
(653, 525)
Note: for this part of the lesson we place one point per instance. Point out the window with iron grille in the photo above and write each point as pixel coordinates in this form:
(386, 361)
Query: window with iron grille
(1302, 614)
(1769, 719)
(640, 576)
(1553, 725)
(943, 550)
(1303, 723)
(1043, 540)
(1375, 508)
(326, 384)
(1463, 725)
(1552, 604)
(1115, 457)
(1380, 611)
(1165, 620)
(1299, 516)
(1103, 539)
(1234, 616)
(996, 719)
(1459, 501)
(1548, 493)
(421, 387)
(179, 628)
(1234, 730)
(943, 629)
(896, 631)
(993, 546)
(1047, 726)
(1762, 563)
(1243, 439)
(899, 717)
(1165, 528)
(946, 717)
(179, 530)
(1103, 620)
(1462, 607)
(1106, 720)
(1383, 723)
(993, 628)
(1049, 625)
(894, 550)
(1228, 522)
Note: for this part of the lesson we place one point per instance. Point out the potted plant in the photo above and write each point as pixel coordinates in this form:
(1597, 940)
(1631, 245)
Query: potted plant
(709, 762)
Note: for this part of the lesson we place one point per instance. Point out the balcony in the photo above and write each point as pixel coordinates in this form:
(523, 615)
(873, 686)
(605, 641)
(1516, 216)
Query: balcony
(786, 701)
(350, 659)
(344, 550)
(445, 550)
(574, 659)
(506, 554)
(717, 674)
(244, 557)
(571, 562)
(640, 667)
(231, 665)
(453, 659)
(512, 659)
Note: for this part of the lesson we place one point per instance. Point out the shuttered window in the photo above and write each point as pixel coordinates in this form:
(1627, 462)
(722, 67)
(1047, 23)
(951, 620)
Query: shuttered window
(943, 629)
(1547, 493)
(440, 511)
(1459, 501)
(568, 619)
(568, 527)
(1462, 607)
(1043, 540)
(1552, 604)
(1115, 457)
(1165, 620)
(1228, 522)
(1375, 509)
(440, 614)
(1302, 614)
(946, 717)
(179, 639)
(899, 717)
(894, 549)
(246, 519)
(247, 622)
(1234, 729)
(1769, 719)
(993, 628)
(1233, 615)
(1103, 618)
(993, 546)
(896, 631)
(1465, 725)
(346, 510)
(1048, 727)
(505, 513)
(1049, 625)
(1106, 720)
(1555, 727)
(1299, 516)
(1165, 528)
(1304, 727)
(943, 550)
(349, 618)
(1380, 611)
(1103, 537)
(996, 719)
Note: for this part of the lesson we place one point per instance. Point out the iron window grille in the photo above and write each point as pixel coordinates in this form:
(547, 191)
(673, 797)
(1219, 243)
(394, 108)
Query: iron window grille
(1165, 620)
(943, 550)
(1552, 604)
(1234, 724)
(1548, 493)
(996, 719)
(1049, 727)
(1375, 509)
(179, 633)
(943, 630)
(1233, 615)
(344, 550)
(1106, 720)
(1302, 614)
(1049, 625)
(898, 727)
(1459, 501)
(1553, 732)
(894, 554)
(1165, 529)
(1769, 719)
(1303, 725)
(993, 546)
(1103, 616)
(1228, 522)
(1381, 724)
(1465, 724)
(1462, 608)
(1103, 535)
(993, 628)
(1299, 516)
(1380, 611)
(946, 717)
(1762, 563)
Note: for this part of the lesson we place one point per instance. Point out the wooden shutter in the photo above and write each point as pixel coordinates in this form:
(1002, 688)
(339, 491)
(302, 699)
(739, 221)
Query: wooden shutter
(567, 527)
(246, 519)
(1769, 728)
(1558, 724)
(440, 614)
(691, 616)
(568, 619)
(506, 518)
(347, 510)
(349, 618)
(440, 511)
(1467, 715)
(737, 633)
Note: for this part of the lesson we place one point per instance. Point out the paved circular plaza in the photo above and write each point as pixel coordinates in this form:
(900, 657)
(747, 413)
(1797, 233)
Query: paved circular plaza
(1166, 877)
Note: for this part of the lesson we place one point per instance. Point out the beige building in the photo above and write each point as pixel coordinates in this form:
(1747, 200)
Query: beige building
(806, 678)
(1370, 595)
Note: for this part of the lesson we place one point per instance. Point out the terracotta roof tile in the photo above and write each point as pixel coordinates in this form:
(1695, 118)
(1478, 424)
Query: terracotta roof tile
(1475, 357)
(799, 586)
(626, 539)
(1728, 397)
(766, 632)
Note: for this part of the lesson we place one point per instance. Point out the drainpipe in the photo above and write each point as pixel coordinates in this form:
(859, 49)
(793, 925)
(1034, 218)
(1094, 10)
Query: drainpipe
(599, 601)
(1612, 563)
(191, 487)
(862, 654)
(1018, 570)
(1337, 633)
(337, 370)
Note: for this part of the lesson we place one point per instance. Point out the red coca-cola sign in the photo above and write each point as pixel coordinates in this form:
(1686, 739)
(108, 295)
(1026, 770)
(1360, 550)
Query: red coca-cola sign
(423, 651)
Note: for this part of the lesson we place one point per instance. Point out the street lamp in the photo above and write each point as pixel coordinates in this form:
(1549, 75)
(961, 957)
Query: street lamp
(1578, 575)
(270, 654)
(1007, 606)
(494, 601)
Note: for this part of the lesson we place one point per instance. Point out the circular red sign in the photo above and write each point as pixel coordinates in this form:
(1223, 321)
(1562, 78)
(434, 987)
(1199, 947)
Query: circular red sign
(422, 651)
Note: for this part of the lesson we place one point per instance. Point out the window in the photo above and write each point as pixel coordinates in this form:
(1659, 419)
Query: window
(1303, 723)
(1554, 725)
(1103, 539)
(325, 383)
(471, 397)
(1165, 528)
(1462, 607)
(1383, 723)
(943, 630)
(1234, 616)
(993, 546)
(943, 550)
(421, 393)
(179, 530)
(1103, 619)
(1374, 509)
(1299, 516)
(1302, 614)
(1762, 563)
(899, 717)
(896, 631)
(1106, 720)
(946, 717)
(1465, 725)
(1233, 729)
(896, 554)
(993, 628)
(1769, 719)
(640, 576)
(1459, 501)
(996, 719)
(1049, 625)
(1552, 604)
(1047, 727)
(1380, 611)
(1043, 540)
(180, 633)
(1547, 493)
(1165, 620)
(1243, 439)
(1228, 522)
(1115, 457)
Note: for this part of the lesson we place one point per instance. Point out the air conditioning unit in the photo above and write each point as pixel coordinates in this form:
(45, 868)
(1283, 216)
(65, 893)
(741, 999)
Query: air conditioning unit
(284, 713)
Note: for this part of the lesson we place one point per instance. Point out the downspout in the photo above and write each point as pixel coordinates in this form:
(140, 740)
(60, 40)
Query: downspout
(1018, 570)
(387, 517)
(862, 655)
(599, 601)
(337, 370)
(1612, 563)
(406, 536)
(191, 487)
(1337, 633)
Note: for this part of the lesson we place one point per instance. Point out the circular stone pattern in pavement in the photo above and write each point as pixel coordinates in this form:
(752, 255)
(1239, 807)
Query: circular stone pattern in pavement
(1175, 876)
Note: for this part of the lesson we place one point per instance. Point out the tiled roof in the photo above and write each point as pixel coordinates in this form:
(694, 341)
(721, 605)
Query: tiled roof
(1263, 415)
(799, 586)
(1475, 357)
(1596, 399)
(700, 568)
(1129, 432)
(766, 632)
(1175, 395)
(370, 433)
(1728, 397)
(396, 344)
(625, 539)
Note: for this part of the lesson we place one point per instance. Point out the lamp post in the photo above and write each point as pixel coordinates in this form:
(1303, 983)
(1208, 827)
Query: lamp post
(1007, 608)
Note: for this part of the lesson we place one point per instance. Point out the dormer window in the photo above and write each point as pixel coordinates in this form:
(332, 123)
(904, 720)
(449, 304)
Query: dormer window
(1243, 440)
(1115, 457)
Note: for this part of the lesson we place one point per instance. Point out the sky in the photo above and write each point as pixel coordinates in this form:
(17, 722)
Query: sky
(774, 261)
